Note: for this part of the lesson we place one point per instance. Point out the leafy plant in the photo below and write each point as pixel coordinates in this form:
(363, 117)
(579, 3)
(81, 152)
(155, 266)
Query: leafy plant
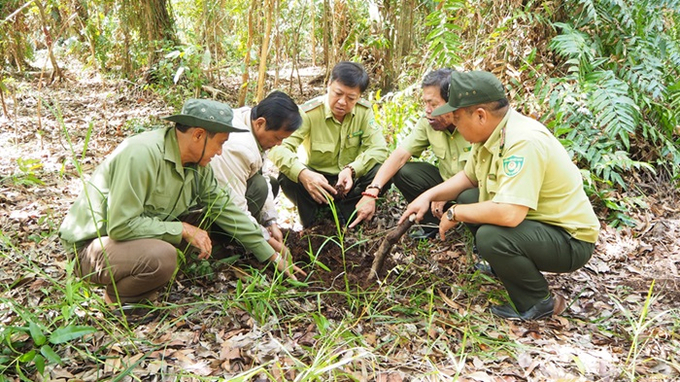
(31, 344)
(611, 109)
(25, 175)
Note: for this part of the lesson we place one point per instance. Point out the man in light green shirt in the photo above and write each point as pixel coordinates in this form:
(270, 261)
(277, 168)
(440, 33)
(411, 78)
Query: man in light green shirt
(125, 226)
(343, 144)
(414, 178)
(520, 194)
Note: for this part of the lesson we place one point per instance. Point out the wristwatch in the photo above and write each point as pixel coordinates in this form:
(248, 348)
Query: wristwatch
(451, 213)
(374, 185)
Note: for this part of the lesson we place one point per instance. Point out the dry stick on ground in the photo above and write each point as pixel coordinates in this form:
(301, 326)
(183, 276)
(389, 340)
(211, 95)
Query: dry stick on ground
(387, 244)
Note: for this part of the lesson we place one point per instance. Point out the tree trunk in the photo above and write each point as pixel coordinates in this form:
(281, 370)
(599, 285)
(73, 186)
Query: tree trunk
(312, 33)
(245, 77)
(56, 71)
(153, 21)
(325, 23)
(264, 52)
(277, 44)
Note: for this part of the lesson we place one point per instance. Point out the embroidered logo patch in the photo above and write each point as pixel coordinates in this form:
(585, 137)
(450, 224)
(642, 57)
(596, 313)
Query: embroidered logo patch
(513, 165)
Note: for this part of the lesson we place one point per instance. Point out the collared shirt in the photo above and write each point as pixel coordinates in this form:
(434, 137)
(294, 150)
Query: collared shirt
(450, 149)
(141, 189)
(523, 163)
(242, 157)
(331, 145)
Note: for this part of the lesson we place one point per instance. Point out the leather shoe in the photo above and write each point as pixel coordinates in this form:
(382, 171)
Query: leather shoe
(423, 233)
(543, 308)
(135, 313)
(483, 267)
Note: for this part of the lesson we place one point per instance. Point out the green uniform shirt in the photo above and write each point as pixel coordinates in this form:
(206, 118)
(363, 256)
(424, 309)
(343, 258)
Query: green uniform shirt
(331, 145)
(523, 163)
(451, 149)
(140, 190)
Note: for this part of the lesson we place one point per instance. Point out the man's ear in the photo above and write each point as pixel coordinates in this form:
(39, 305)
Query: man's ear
(260, 122)
(198, 133)
(481, 114)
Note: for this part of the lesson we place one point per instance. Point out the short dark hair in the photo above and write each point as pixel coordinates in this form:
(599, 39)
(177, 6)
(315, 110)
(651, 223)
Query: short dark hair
(440, 78)
(184, 128)
(350, 74)
(496, 108)
(280, 111)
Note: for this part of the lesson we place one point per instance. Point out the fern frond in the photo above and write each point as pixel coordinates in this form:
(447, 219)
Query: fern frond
(615, 112)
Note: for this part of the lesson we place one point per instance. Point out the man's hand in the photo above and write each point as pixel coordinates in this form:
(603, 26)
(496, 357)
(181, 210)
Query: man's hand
(365, 208)
(444, 225)
(284, 263)
(198, 238)
(317, 185)
(437, 209)
(275, 232)
(419, 207)
(345, 180)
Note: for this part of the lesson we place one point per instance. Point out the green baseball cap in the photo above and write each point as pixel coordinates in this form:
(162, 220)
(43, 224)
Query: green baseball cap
(213, 116)
(471, 88)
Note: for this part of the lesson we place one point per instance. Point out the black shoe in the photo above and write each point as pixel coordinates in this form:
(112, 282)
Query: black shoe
(483, 267)
(542, 309)
(420, 233)
(135, 313)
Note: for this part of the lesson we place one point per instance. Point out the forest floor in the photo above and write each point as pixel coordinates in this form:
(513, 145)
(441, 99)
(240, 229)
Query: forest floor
(426, 319)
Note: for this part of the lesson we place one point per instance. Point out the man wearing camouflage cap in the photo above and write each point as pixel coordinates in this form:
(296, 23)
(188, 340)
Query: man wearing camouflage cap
(125, 226)
(520, 194)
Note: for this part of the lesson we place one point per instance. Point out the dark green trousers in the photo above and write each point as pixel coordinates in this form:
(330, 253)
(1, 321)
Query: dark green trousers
(310, 211)
(519, 254)
(256, 192)
(413, 179)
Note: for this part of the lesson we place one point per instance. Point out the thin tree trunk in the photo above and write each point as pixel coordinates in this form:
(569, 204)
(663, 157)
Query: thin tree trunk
(313, 34)
(326, 30)
(2, 96)
(245, 77)
(277, 44)
(56, 71)
(264, 52)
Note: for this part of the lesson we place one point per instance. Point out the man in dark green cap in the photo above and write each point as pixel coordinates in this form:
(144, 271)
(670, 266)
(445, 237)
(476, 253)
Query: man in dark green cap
(520, 194)
(125, 226)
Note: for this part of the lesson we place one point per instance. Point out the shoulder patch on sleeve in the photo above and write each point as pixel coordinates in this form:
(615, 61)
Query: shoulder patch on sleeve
(312, 104)
(364, 103)
(513, 165)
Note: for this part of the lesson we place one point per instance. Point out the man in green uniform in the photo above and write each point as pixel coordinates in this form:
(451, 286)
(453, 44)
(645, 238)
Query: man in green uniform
(343, 144)
(125, 226)
(414, 178)
(520, 194)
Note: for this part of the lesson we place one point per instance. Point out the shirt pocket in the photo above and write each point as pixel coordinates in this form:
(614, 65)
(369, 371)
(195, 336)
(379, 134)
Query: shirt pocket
(158, 205)
(350, 150)
(439, 152)
(321, 154)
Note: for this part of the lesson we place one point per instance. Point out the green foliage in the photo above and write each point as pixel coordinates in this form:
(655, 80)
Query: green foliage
(613, 107)
(444, 39)
(29, 342)
(25, 175)
(397, 113)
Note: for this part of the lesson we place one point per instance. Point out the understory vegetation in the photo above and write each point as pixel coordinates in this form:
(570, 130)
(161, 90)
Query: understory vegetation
(76, 77)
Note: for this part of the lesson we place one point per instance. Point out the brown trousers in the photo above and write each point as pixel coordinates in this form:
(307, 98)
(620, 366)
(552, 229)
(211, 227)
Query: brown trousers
(133, 269)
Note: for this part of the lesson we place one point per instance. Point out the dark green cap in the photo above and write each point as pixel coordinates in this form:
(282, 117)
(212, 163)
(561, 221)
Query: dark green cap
(213, 116)
(471, 88)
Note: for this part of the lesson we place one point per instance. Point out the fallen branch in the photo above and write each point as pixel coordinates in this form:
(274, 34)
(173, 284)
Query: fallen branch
(387, 244)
